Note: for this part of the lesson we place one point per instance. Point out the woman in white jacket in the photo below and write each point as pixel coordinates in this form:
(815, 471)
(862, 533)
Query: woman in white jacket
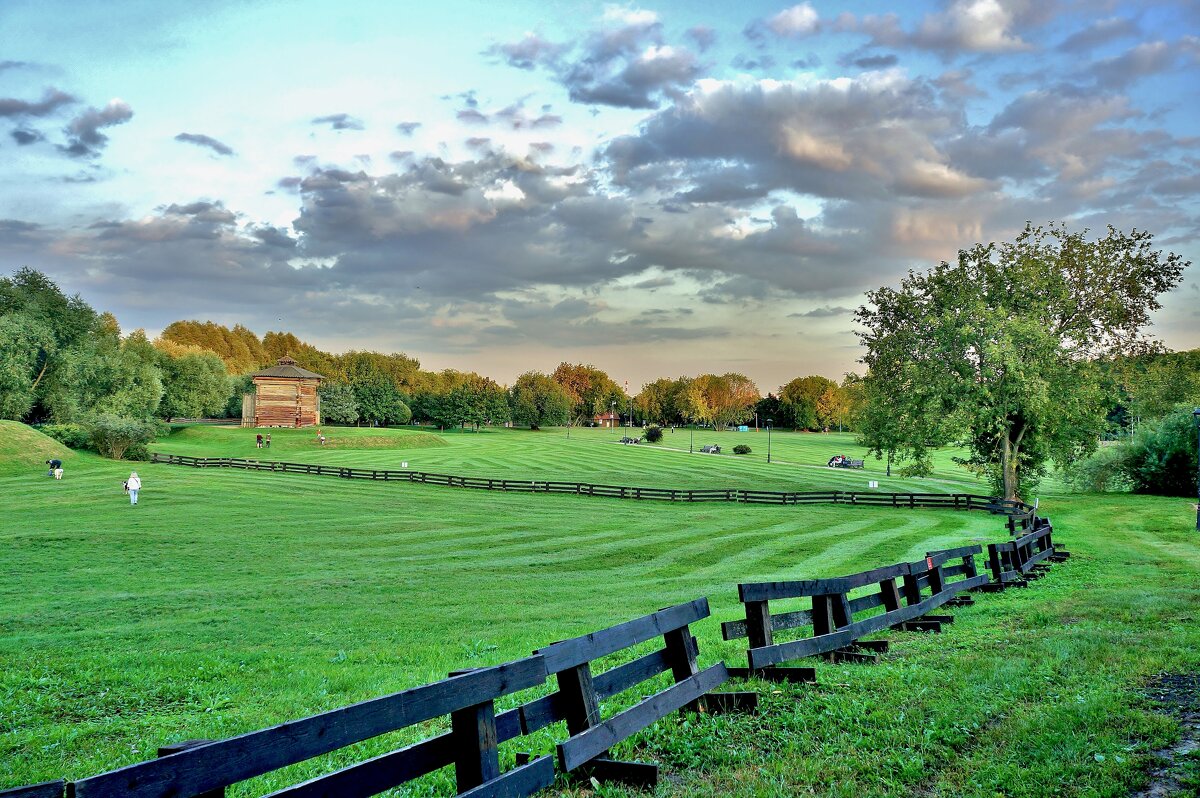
(133, 485)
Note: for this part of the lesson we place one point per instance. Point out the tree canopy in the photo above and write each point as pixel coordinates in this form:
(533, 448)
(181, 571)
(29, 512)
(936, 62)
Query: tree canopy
(999, 350)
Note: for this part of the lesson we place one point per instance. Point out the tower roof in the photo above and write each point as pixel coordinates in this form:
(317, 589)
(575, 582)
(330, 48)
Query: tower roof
(286, 367)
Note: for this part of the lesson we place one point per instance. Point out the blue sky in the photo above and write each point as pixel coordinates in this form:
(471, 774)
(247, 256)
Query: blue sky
(658, 189)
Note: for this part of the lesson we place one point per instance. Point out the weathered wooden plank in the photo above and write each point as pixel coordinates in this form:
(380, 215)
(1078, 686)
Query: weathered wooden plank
(732, 630)
(520, 781)
(961, 551)
(238, 758)
(578, 650)
(46, 789)
(379, 773)
(591, 743)
(641, 775)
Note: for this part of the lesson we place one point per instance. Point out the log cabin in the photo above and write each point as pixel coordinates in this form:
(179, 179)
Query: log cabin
(285, 395)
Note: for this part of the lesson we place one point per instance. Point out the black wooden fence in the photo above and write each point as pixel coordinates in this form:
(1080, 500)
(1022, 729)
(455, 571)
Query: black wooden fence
(1019, 513)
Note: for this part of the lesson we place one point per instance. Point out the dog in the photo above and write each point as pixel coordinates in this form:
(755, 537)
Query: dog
(58, 472)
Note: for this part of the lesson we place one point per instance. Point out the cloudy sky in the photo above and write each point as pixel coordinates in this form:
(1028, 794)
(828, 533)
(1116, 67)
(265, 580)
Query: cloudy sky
(658, 189)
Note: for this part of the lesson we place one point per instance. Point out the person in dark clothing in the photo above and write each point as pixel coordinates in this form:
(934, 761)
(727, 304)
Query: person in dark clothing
(54, 465)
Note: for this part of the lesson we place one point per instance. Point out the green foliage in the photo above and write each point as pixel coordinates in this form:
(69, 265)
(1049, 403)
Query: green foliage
(75, 436)
(109, 376)
(380, 403)
(238, 388)
(654, 433)
(1105, 470)
(339, 405)
(802, 399)
(1161, 458)
(998, 350)
(117, 436)
(665, 400)
(195, 385)
(25, 343)
(537, 400)
(721, 399)
(591, 390)
(741, 448)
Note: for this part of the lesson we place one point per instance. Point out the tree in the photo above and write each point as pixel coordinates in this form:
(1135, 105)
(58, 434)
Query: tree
(537, 400)
(45, 326)
(380, 403)
(664, 400)
(723, 399)
(195, 383)
(591, 390)
(800, 397)
(999, 349)
(339, 405)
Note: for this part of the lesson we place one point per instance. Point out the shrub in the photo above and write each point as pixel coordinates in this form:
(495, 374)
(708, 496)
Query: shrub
(73, 436)
(653, 433)
(117, 436)
(741, 448)
(1105, 470)
(1161, 459)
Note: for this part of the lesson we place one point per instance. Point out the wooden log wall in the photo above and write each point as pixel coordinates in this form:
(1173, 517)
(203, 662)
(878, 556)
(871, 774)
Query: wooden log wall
(285, 402)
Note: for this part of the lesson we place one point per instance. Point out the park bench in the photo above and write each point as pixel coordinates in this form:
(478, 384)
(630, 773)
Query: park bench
(631, 440)
(836, 634)
(580, 691)
(710, 449)
(846, 463)
(203, 768)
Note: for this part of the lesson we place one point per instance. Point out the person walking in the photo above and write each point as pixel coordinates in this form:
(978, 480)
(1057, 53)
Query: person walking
(133, 485)
(268, 440)
(258, 440)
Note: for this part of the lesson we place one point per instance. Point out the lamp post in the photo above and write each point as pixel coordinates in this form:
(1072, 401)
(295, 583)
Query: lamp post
(630, 422)
(1196, 418)
(612, 416)
(770, 422)
(691, 426)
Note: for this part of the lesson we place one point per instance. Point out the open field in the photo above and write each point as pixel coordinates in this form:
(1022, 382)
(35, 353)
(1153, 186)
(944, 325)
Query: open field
(592, 455)
(227, 601)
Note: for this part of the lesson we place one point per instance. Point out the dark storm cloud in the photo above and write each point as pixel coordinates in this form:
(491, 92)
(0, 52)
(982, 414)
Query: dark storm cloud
(51, 101)
(626, 64)
(84, 138)
(201, 140)
(339, 122)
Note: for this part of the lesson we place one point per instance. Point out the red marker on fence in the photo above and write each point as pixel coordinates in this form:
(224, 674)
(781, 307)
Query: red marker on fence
(929, 563)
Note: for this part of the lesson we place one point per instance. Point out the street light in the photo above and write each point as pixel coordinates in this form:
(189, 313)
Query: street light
(770, 421)
(1196, 417)
(691, 426)
(630, 422)
(612, 416)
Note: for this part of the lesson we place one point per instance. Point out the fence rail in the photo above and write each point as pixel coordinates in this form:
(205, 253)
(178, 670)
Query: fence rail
(1019, 514)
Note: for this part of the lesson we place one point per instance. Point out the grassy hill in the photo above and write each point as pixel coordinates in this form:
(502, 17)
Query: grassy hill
(24, 448)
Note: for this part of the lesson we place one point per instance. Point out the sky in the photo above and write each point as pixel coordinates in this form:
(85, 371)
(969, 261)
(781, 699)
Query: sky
(657, 189)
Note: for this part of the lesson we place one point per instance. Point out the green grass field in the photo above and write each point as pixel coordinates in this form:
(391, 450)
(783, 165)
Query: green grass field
(228, 600)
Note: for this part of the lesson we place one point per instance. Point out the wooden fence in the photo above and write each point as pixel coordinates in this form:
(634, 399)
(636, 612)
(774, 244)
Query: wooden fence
(204, 768)
(1025, 557)
(1019, 513)
(835, 629)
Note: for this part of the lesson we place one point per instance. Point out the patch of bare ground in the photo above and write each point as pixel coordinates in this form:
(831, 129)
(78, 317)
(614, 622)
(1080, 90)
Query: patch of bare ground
(1177, 772)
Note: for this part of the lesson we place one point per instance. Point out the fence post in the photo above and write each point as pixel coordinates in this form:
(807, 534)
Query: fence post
(477, 756)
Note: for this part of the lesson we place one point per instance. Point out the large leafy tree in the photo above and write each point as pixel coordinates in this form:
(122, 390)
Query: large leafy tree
(802, 397)
(537, 400)
(722, 399)
(665, 400)
(41, 328)
(591, 390)
(999, 350)
(339, 405)
(195, 383)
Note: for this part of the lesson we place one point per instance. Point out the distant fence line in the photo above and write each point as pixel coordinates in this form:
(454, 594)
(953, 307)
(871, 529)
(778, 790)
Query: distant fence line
(1017, 512)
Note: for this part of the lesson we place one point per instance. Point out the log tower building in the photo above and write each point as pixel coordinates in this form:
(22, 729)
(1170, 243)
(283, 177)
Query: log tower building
(285, 395)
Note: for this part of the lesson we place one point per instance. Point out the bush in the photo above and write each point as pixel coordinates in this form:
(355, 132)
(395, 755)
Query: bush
(741, 448)
(1104, 471)
(117, 437)
(1161, 459)
(653, 433)
(73, 436)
